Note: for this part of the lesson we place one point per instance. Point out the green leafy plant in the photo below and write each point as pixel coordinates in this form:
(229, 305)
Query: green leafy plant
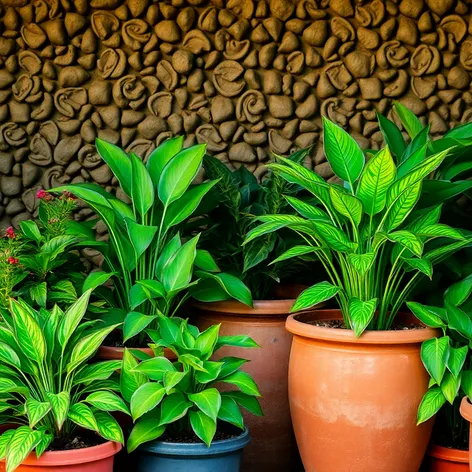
(239, 197)
(46, 386)
(179, 397)
(154, 271)
(40, 261)
(448, 360)
(373, 245)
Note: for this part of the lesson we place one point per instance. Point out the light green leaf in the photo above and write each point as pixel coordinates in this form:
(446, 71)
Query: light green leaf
(361, 314)
(244, 381)
(60, 406)
(204, 260)
(155, 368)
(171, 379)
(141, 236)
(159, 158)
(230, 412)
(173, 407)
(458, 320)
(30, 230)
(409, 120)
(427, 315)
(440, 231)
(466, 383)
(82, 415)
(392, 135)
(130, 379)
(23, 441)
(97, 371)
(9, 356)
(408, 240)
(430, 405)
(169, 250)
(95, 279)
(257, 251)
(362, 262)
(208, 401)
(108, 427)
(146, 397)
(342, 152)
(134, 323)
(145, 430)
(142, 188)
(249, 402)
(305, 209)
(206, 340)
(402, 206)
(459, 292)
(456, 359)
(423, 265)
(334, 237)
(295, 252)
(318, 293)
(152, 288)
(39, 294)
(434, 354)
(347, 205)
(203, 426)
(36, 410)
(107, 401)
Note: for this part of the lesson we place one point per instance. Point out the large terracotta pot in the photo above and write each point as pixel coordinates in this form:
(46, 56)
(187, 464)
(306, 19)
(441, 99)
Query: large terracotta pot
(444, 459)
(466, 412)
(90, 459)
(273, 447)
(354, 401)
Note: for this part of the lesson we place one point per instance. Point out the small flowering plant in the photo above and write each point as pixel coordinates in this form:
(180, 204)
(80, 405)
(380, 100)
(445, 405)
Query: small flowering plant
(40, 261)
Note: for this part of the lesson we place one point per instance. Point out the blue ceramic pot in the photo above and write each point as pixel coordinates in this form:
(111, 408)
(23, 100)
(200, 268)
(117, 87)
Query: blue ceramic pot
(221, 456)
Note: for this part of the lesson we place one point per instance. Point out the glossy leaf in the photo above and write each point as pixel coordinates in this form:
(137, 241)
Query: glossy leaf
(107, 401)
(95, 279)
(347, 205)
(36, 410)
(23, 441)
(142, 188)
(141, 236)
(249, 402)
(145, 430)
(146, 397)
(159, 158)
(173, 407)
(82, 415)
(458, 320)
(208, 401)
(430, 405)
(318, 293)
(434, 354)
(361, 314)
(130, 379)
(134, 323)
(108, 427)
(230, 412)
(232, 285)
(60, 406)
(456, 359)
(362, 262)
(427, 315)
(392, 135)
(203, 426)
(409, 120)
(244, 381)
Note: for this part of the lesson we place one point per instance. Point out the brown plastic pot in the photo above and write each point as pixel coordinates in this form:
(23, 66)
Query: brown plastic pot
(444, 459)
(273, 447)
(90, 459)
(466, 412)
(354, 401)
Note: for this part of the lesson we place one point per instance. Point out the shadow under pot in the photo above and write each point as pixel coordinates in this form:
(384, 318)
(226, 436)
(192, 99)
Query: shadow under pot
(353, 400)
(222, 456)
(466, 412)
(89, 459)
(445, 459)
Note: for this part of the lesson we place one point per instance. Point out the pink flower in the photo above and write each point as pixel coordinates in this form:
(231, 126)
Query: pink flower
(13, 260)
(43, 195)
(10, 233)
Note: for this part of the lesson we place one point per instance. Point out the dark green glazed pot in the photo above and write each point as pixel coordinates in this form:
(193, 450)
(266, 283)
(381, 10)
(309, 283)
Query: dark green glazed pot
(221, 456)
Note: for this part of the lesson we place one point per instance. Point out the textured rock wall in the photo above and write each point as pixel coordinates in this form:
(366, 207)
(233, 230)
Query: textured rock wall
(245, 76)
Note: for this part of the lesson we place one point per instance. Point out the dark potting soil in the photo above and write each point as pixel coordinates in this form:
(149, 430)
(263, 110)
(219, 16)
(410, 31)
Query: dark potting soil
(115, 339)
(339, 324)
(190, 437)
(78, 441)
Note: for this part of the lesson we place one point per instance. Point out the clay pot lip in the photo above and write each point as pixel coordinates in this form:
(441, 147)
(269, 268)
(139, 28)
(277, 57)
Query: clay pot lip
(197, 449)
(75, 456)
(448, 454)
(299, 328)
(466, 409)
(116, 353)
(260, 307)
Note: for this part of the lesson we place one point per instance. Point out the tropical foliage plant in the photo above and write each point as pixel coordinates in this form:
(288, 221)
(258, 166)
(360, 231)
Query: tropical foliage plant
(448, 360)
(153, 269)
(373, 244)
(40, 261)
(47, 389)
(181, 396)
(239, 197)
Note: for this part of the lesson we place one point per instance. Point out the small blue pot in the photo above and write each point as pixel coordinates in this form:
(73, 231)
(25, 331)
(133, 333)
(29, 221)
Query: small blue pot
(221, 456)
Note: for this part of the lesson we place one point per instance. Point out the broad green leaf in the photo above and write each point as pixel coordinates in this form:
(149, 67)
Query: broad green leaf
(145, 430)
(170, 330)
(208, 401)
(118, 161)
(203, 426)
(466, 383)
(82, 415)
(230, 412)
(28, 332)
(249, 402)
(456, 359)
(294, 252)
(213, 371)
(30, 230)
(361, 314)
(318, 293)
(146, 397)
(362, 262)
(402, 206)
(257, 251)
(230, 365)
(88, 346)
(4, 440)
(416, 158)
(459, 292)
(155, 368)
(36, 410)
(334, 237)
(378, 175)
(430, 405)
(98, 371)
(171, 379)
(141, 236)
(408, 240)
(459, 320)
(134, 323)
(342, 152)
(159, 158)
(423, 265)
(244, 381)
(450, 387)
(204, 260)
(23, 441)
(305, 209)
(71, 319)
(266, 228)
(95, 279)
(434, 354)
(421, 140)
(39, 294)
(169, 250)
(178, 270)
(392, 135)
(152, 288)
(179, 173)
(192, 361)
(409, 120)
(142, 188)
(108, 427)
(9, 356)
(427, 315)
(206, 340)
(107, 401)
(346, 205)
(60, 406)
(130, 380)
(174, 407)
(137, 296)
(440, 231)
(184, 207)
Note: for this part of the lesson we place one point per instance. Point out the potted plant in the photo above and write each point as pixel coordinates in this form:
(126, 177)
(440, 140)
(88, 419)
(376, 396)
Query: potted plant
(448, 360)
(232, 203)
(152, 268)
(182, 421)
(52, 401)
(344, 388)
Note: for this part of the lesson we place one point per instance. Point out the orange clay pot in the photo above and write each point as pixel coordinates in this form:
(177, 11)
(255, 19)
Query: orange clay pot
(90, 459)
(444, 459)
(354, 401)
(466, 412)
(116, 353)
(273, 447)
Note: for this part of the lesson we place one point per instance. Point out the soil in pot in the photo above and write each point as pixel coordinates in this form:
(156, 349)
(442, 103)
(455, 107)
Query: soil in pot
(273, 447)
(354, 401)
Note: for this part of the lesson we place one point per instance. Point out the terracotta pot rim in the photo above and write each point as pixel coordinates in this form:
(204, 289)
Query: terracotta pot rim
(260, 307)
(75, 456)
(115, 349)
(116, 353)
(448, 454)
(297, 327)
(466, 409)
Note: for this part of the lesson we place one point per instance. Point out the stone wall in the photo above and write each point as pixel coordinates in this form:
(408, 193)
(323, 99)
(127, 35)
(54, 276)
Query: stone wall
(246, 76)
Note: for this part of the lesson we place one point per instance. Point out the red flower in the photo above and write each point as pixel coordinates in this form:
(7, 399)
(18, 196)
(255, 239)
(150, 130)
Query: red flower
(10, 233)
(12, 260)
(69, 195)
(43, 195)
